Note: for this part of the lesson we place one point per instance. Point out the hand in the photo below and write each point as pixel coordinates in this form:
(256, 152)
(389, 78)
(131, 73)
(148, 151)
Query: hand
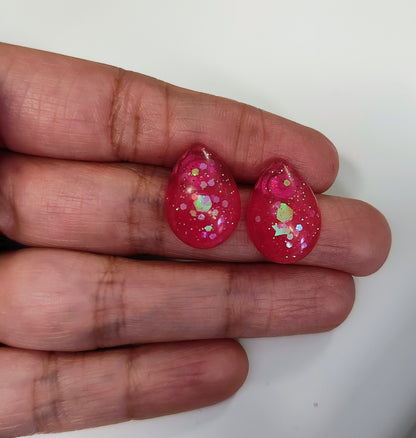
(83, 171)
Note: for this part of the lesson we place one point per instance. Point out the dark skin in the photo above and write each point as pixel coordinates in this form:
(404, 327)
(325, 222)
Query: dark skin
(85, 159)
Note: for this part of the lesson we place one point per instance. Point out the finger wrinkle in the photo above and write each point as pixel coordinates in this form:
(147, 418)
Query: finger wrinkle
(248, 307)
(168, 128)
(250, 135)
(109, 305)
(231, 304)
(146, 195)
(132, 377)
(47, 397)
(118, 115)
(139, 116)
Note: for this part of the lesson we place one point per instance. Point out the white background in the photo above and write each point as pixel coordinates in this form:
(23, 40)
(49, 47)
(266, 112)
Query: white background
(347, 68)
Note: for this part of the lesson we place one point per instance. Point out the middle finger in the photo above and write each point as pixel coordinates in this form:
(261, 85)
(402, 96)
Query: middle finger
(118, 209)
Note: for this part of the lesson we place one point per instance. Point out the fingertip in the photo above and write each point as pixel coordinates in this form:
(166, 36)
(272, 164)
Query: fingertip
(332, 158)
(323, 153)
(312, 154)
(373, 249)
(339, 300)
(355, 237)
(192, 375)
(231, 368)
(224, 371)
(382, 242)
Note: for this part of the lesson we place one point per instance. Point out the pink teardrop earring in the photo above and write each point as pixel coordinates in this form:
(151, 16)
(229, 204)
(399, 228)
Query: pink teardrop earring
(283, 217)
(202, 202)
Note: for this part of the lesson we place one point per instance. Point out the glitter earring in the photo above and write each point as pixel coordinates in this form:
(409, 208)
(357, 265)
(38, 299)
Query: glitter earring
(202, 202)
(283, 217)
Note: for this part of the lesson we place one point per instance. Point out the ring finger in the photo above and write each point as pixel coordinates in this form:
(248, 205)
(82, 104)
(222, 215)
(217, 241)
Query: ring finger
(63, 300)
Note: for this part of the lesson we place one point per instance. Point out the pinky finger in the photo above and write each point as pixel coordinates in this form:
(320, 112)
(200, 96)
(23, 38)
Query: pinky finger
(55, 392)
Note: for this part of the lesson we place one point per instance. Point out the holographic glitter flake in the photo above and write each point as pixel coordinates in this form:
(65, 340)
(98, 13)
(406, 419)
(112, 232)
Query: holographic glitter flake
(203, 203)
(284, 213)
(286, 182)
(195, 172)
(299, 227)
(280, 231)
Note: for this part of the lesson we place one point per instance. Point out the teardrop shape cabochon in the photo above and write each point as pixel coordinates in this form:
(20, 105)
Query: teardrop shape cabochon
(202, 202)
(283, 217)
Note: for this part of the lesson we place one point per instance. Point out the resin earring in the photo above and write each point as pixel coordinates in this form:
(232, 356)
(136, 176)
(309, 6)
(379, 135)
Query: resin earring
(202, 202)
(283, 217)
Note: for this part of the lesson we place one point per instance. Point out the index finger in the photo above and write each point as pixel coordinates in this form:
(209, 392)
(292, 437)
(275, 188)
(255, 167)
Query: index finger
(56, 106)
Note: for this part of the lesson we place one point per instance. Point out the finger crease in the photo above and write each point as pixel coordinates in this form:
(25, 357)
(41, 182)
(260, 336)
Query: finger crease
(109, 315)
(167, 99)
(146, 204)
(262, 142)
(129, 385)
(47, 400)
(124, 119)
(230, 316)
(133, 218)
(237, 142)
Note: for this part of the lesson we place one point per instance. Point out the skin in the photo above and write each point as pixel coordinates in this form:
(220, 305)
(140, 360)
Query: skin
(84, 162)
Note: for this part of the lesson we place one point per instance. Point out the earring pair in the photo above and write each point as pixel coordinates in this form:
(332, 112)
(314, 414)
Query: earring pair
(203, 207)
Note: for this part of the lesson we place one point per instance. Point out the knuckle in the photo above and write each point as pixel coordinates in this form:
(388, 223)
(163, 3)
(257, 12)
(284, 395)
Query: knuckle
(139, 117)
(145, 216)
(232, 322)
(109, 319)
(250, 135)
(48, 411)
(249, 310)
(132, 383)
(125, 117)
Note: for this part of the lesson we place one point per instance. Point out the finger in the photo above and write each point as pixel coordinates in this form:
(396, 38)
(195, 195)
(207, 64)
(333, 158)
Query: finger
(56, 106)
(56, 392)
(119, 210)
(71, 301)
